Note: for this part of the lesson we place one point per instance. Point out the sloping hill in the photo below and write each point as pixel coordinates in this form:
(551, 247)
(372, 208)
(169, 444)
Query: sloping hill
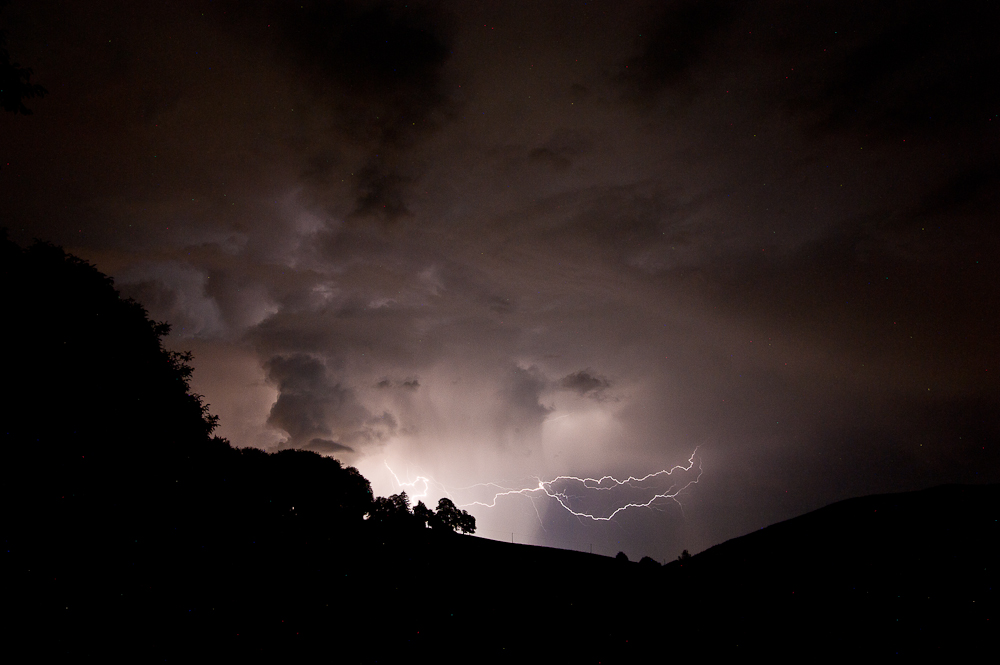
(908, 574)
(927, 528)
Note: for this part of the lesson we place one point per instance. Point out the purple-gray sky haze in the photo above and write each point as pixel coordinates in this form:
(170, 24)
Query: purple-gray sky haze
(488, 242)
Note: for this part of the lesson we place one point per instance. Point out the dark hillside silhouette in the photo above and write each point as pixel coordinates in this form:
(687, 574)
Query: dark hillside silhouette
(132, 534)
(909, 574)
(15, 80)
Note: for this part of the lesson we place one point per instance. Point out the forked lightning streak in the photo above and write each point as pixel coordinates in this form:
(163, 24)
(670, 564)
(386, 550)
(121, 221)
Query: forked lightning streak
(584, 485)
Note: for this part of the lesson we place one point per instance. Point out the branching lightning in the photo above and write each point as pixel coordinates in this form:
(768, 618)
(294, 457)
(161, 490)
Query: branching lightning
(426, 482)
(603, 483)
(559, 487)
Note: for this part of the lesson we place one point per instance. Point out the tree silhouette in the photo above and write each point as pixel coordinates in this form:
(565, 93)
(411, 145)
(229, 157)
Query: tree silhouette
(649, 562)
(425, 516)
(15, 80)
(450, 516)
(309, 486)
(100, 414)
(395, 512)
(97, 403)
(392, 512)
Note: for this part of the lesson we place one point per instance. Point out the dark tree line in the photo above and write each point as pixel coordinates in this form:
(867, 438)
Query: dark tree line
(395, 511)
(101, 416)
(15, 80)
(98, 408)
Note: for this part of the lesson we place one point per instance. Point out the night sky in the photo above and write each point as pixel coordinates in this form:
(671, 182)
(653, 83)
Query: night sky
(498, 242)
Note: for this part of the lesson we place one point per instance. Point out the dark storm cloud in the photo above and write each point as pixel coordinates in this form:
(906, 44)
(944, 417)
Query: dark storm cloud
(381, 193)
(890, 67)
(550, 158)
(329, 330)
(499, 304)
(312, 406)
(390, 51)
(586, 383)
(383, 63)
(973, 190)
(327, 447)
(651, 227)
(175, 292)
(561, 150)
(673, 43)
(305, 397)
(408, 384)
(522, 412)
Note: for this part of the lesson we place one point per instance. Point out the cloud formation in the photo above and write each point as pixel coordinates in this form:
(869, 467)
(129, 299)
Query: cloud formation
(312, 406)
(585, 383)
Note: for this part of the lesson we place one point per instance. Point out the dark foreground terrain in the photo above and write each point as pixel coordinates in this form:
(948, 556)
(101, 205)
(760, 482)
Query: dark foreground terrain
(909, 575)
(132, 535)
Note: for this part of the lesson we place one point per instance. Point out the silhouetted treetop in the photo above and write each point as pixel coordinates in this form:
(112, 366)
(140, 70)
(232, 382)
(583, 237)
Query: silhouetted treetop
(99, 407)
(649, 562)
(15, 81)
(310, 485)
(395, 511)
(392, 512)
(425, 516)
(452, 517)
(93, 394)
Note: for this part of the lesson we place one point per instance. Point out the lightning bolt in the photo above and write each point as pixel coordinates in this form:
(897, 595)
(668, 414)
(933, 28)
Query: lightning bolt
(420, 480)
(548, 489)
(603, 483)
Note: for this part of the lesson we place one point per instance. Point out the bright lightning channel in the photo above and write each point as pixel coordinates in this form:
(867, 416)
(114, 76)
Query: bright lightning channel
(421, 480)
(545, 487)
